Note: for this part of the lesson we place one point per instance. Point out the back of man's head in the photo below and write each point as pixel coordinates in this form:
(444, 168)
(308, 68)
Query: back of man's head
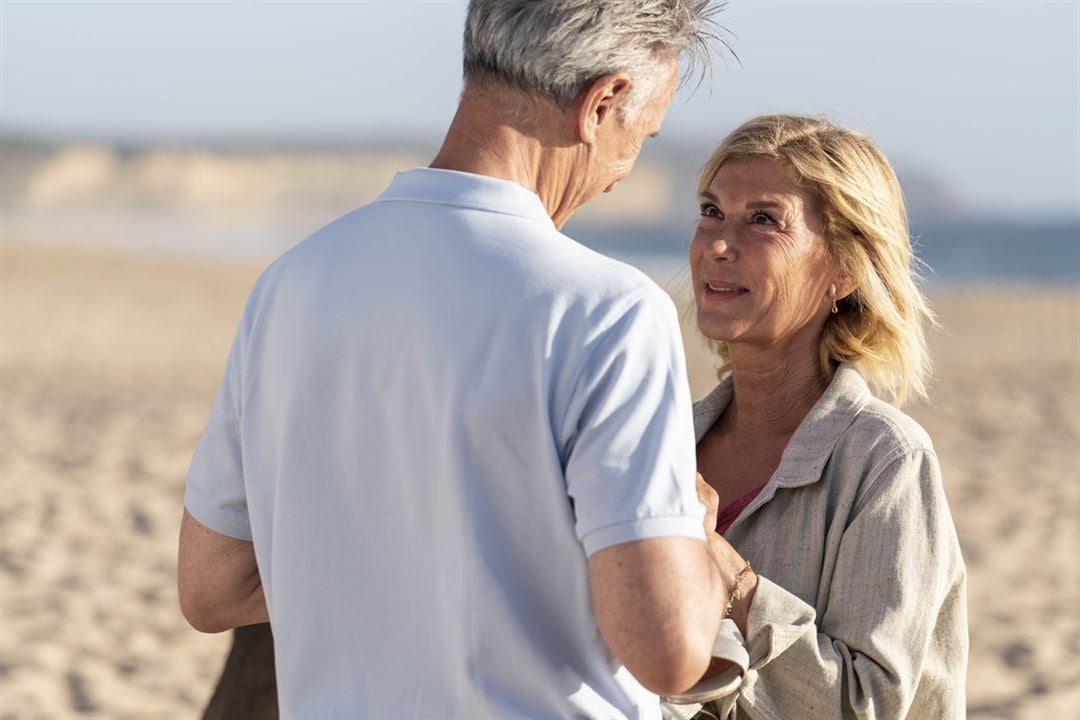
(557, 48)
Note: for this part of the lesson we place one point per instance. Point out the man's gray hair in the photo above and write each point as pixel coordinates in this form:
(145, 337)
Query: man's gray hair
(559, 47)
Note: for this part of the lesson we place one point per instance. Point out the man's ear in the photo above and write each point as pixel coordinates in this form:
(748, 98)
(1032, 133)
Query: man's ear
(599, 104)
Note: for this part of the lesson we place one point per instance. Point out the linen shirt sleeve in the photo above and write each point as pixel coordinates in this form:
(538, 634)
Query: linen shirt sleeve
(864, 656)
(215, 493)
(630, 468)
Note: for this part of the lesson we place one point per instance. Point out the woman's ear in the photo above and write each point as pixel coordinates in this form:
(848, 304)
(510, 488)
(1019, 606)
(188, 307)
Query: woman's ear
(845, 286)
(843, 283)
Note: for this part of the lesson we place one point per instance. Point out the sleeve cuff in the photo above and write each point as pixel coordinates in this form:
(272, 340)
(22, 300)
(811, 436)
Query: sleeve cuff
(777, 619)
(642, 529)
(218, 519)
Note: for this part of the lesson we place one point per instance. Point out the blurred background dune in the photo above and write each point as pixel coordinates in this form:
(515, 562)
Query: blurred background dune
(155, 157)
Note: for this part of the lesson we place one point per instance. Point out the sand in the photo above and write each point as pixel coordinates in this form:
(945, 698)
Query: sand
(107, 368)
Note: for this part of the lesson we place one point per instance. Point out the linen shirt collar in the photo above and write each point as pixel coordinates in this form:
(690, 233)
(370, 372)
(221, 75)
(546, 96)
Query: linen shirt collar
(465, 190)
(809, 449)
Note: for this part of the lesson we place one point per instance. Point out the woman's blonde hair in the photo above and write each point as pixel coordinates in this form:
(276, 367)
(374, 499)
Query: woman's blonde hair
(878, 327)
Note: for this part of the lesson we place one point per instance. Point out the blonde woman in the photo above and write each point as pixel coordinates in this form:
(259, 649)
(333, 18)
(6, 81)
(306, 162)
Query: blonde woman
(850, 584)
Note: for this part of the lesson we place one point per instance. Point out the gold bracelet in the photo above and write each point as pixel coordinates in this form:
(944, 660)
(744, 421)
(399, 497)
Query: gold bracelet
(736, 592)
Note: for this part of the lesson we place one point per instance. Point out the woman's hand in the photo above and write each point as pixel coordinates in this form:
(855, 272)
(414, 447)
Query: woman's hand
(726, 557)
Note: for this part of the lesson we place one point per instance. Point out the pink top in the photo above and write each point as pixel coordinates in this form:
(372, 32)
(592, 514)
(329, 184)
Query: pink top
(729, 512)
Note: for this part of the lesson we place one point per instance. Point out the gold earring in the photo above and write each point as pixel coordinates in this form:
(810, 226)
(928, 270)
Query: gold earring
(834, 308)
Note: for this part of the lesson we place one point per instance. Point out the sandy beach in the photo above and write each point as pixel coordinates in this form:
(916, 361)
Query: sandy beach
(108, 364)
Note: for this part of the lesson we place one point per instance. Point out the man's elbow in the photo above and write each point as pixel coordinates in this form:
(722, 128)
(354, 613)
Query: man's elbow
(201, 612)
(675, 672)
(208, 625)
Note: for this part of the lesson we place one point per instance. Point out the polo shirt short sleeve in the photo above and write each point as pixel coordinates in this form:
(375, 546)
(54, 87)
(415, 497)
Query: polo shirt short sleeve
(631, 468)
(215, 494)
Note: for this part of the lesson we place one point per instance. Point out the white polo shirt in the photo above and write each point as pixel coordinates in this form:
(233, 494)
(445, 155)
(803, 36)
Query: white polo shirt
(434, 410)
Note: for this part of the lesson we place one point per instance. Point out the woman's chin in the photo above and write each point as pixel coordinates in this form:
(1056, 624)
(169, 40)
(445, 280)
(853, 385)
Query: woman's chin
(718, 332)
(726, 338)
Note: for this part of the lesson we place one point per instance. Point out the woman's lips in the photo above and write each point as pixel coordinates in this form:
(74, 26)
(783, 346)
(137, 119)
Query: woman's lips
(722, 291)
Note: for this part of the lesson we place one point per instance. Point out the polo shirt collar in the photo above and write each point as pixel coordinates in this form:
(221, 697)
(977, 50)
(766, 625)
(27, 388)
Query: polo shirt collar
(816, 437)
(465, 190)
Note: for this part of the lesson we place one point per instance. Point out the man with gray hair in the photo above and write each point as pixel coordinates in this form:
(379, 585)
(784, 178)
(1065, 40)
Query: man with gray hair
(452, 458)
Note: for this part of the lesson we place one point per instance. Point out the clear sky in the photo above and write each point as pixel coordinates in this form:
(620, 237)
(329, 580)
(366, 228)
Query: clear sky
(983, 95)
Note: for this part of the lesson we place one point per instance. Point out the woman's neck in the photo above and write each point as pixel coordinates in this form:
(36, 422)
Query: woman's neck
(774, 388)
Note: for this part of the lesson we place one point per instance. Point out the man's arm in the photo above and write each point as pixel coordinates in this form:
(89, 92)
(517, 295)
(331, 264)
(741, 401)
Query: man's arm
(657, 592)
(658, 604)
(218, 579)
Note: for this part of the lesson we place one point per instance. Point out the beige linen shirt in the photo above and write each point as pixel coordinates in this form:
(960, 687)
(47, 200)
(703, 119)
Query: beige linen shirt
(860, 609)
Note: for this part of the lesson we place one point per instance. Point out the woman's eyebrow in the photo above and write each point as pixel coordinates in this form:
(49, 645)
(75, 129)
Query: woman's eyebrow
(766, 205)
(752, 205)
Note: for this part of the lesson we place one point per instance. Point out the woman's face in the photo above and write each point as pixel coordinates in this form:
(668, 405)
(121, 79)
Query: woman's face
(758, 259)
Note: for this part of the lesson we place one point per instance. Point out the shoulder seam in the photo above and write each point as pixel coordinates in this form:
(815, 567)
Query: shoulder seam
(879, 469)
(903, 438)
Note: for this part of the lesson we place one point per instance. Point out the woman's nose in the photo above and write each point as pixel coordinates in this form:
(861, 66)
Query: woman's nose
(720, 245)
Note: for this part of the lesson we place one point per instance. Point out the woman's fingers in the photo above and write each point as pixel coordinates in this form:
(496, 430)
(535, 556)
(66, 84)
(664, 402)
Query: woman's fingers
(709, 498)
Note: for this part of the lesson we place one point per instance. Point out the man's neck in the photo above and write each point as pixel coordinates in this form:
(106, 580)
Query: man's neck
(487, 137)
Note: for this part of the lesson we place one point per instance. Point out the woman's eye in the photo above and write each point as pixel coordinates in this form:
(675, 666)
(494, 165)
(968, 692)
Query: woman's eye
(709, 210)
(761, 218)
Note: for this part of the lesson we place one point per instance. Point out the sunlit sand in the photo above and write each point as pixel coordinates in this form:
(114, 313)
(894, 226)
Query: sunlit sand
(108, 364)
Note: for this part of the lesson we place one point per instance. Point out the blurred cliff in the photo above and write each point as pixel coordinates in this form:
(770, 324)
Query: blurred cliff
(255, 201)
